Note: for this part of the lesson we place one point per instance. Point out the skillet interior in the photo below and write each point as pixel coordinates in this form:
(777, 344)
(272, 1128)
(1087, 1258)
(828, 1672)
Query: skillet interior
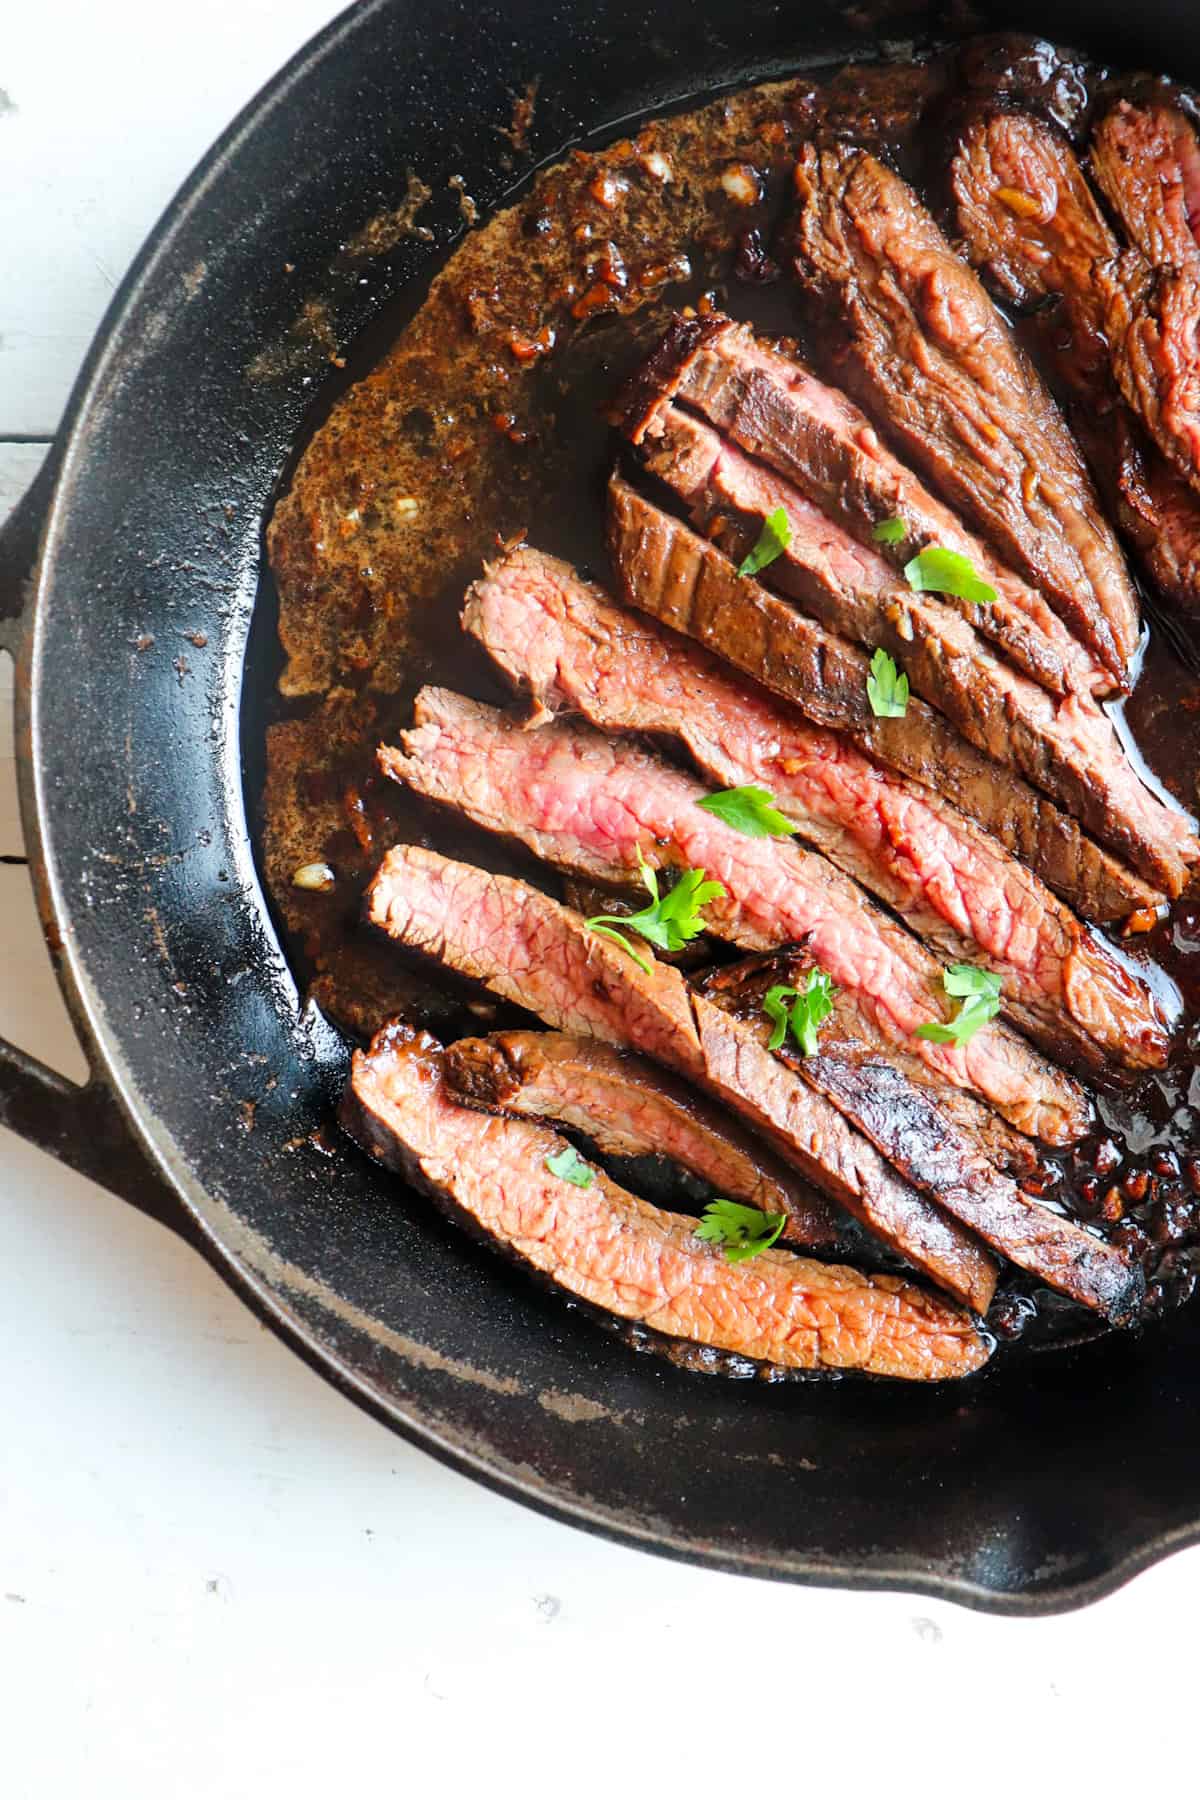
(1034, 1487)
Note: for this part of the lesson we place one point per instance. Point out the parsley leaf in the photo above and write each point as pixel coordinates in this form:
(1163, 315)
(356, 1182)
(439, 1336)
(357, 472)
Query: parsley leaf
(887, 688)
(568, 1165)
(773, 540)
(743, 1230)
(890, 531)
(940, 571)
(979, 991)
(964, 979)
(750, 810)
(812, 1006)
(670, 921)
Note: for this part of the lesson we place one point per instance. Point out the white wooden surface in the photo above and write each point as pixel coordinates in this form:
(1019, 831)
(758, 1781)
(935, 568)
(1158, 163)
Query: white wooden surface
(219, 1579)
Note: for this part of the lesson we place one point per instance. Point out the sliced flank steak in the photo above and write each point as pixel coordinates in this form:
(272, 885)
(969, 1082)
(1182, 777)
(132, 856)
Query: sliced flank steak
(1147, 162)
(633, 1261)
(1066, 746)
(905, 1126)
(627, 1106)
(773, 407)
(671, 572)
(925, 351)
(595, 806)
(560, 640)
(1031, 222)
(528, 949)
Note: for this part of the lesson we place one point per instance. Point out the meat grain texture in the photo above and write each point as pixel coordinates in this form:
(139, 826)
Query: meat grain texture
(525, 947)
(609, 1248)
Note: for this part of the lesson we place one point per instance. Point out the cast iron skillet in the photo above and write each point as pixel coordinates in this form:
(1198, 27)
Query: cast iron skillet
(1037, 1487)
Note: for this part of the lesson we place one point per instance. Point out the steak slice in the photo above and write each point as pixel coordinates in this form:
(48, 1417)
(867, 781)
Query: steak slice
(774, 408)
(595, 806)
(527, 948)
(1065, 746)
(1147, 163)
(680, 578)
(906, 1127)
(613, 1250)
(1030, 220)
(560, 640)
(926, 352)
(628, 1106)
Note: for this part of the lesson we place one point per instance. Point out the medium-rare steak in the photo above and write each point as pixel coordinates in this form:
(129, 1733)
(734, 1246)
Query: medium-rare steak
(597, 806)
(904, 1124)
(1030, 220)
(527, 948)
(1147, 162)
(561, 641)
(1065, 746)
(627, 1106)
(680, 578)
(630, 1259)
(774, 408)
(926, 353)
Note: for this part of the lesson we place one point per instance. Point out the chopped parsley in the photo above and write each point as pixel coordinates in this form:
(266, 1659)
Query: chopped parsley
(811, 1006)
(887, 688)
(940, 571)
(670, 921)
(750, 810)
(979, 991)
(890, 531)
(743, 1230)
(773, 540)
(568, 1165)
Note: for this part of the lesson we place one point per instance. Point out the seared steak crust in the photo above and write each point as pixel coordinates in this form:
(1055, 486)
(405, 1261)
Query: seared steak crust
(927, 353)
(1065, 746)
(594, 806)
(665, 569)
(527, 948)
(1030, 220)
(774, 408)
(1147, 162)
(635, 1262)
(904, 1124)
(561, 641)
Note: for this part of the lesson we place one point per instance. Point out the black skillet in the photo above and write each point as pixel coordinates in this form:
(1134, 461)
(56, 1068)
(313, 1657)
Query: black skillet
(1037, 1487)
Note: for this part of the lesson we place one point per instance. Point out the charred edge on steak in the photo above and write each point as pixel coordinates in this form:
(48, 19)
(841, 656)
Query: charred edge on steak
(669, 571)
(559, 640)
(926, 352)
(527, 948)
(916, 1137)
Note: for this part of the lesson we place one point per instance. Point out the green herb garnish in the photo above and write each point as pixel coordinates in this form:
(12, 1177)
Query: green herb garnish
(568, 1165)
(670, 921)
(750, 810)
(890, 531)
(773, 540)
(811, 1006)
(979, 991)
(940, 571)
(887, 688)
(743, 1230)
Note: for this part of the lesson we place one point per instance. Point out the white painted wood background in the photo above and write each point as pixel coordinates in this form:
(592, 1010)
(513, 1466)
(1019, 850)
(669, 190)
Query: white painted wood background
(219, 1579)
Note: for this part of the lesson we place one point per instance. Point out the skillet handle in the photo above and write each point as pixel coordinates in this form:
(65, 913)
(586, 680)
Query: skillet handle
(83, 1127)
